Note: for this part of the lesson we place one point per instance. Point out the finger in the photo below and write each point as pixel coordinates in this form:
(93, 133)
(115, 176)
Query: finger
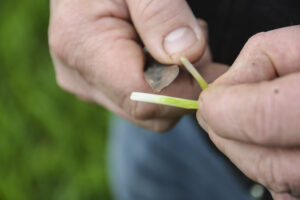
(208, 69)
(158, 125)
(276, 169)
(277, 196)
(70, 80)
(264, 113)
(108, 57)
(105, 52)
(266, 56)
(168, 29)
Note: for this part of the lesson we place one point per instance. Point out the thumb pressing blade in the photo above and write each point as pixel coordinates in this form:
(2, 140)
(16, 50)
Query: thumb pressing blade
(158, 75)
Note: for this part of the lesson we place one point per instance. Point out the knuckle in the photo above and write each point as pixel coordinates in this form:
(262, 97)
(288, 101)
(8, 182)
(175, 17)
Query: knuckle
(155, 11)
(295, 189)
(148, 8)
(80, 93)
(163, 126)
(138, 110)
(256, 40)
(62, 83)
(141, 112)
(61, 34)
(57, 39)
(65, 48)
(272, 175)
(132, 108)
(260, 127)
(158, 125)
(255, 45)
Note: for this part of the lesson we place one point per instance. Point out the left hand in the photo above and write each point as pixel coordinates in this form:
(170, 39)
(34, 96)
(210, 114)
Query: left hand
(98, 56)
(252, 112)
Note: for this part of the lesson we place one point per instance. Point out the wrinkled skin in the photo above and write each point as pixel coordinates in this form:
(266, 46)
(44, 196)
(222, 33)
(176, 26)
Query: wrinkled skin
(97, 53)
(252, 112)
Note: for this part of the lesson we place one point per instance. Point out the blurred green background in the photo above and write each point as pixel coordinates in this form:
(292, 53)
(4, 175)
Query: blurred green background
(52, 146)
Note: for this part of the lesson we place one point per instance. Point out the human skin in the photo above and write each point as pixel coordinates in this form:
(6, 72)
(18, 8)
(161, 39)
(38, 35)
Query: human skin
(97, 53)
(252, 112)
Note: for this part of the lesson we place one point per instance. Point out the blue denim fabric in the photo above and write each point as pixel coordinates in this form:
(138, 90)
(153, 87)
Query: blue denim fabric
(178, 165)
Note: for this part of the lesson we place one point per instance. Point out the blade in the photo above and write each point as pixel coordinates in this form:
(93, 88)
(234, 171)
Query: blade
(158, 75)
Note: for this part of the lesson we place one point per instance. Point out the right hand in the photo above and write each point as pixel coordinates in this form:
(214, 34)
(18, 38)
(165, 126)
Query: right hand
(95, 46)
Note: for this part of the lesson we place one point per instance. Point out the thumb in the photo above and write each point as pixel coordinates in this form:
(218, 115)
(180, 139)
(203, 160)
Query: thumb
(168, 28)
(265, 113)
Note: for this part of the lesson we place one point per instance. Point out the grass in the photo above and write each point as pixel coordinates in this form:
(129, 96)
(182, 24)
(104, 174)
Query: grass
(52, 146)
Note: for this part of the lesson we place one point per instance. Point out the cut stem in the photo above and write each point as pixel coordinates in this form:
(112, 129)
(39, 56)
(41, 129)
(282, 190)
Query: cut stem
(203, 84)
(164, 100)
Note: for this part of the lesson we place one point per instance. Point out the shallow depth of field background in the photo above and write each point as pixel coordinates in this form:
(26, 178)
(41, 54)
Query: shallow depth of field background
(52, 146)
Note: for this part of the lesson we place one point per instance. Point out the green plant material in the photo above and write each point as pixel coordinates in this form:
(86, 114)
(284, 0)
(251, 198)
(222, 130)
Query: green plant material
(203, 84)
(164, 100)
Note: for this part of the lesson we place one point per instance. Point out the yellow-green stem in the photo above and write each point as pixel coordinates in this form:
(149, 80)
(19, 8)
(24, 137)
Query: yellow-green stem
(164, 100)
(203, 84)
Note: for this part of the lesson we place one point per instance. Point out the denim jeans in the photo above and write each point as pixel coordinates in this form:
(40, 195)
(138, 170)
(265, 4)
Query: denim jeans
(178, 165)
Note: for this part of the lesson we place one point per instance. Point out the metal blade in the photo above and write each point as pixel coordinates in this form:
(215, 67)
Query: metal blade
(158, 75)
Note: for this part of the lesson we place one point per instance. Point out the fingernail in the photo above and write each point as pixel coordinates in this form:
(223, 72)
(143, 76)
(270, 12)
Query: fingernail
(179, 40)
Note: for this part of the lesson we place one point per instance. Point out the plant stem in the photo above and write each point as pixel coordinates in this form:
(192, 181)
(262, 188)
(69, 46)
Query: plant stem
(164, 100)
(203, 84)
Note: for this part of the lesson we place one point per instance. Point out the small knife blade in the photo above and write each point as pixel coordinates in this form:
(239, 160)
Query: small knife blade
(157, 75)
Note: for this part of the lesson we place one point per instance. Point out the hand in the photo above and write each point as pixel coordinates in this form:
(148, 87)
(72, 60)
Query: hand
(97, 53)
(252, 112)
